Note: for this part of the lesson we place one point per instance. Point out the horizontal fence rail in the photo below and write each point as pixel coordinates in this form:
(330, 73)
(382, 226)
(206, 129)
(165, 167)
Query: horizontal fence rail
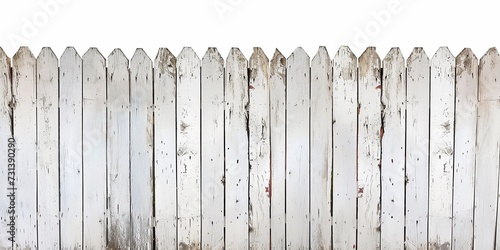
(328, 152)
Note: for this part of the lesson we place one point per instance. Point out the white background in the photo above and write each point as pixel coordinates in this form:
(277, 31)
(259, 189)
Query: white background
(270, 24)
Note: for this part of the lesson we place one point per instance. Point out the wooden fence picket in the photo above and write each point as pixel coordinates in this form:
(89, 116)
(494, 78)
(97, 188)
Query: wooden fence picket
(94, 149)
(47, 92)
(393, 151)
(442, 103)
(488, 152)
(277, 92)
(236, 150)
(417, 149)
(5, 135)
(70, 149)
(212, 150)
(188, 150)
(297, 148)
(141, 150)
(345, 120)
(165, 79)
(465, 149)
(24, 101)
(118, 156)
(321, 149)
(370, 132)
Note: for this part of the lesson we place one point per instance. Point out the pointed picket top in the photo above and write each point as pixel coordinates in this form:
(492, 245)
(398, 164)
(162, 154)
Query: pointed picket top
(165, 61)
(465, 61)
(4, 56)
(278, 63)
(489, 73)
(140, 57)
(443, 53)
(235, 54)
(419, 54)
(299, 53)
(345, 52)
(118, 57)
(321, 56)
(394, 55)
(369, 55)
(70, 53)
(188, 52)
(93, 53)
(47, 52)
(23, 52)
(258, 55)
(212, 54)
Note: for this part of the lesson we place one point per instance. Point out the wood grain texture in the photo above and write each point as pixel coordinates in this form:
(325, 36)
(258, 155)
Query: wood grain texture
(417, 149)
(188, 150)
(487, 155)
(165, 79)
(345, 120)
(393, 151)
(442, 102)
(370, 132)
(94, 149)
(321, 150)
(24, 99)
(5, 134)
(277, 89)
(141, 150)
(465, 149)
(70, 149)
(212, 150)
(236, 149)
(297, 148)
(259, 151)
(118, 155)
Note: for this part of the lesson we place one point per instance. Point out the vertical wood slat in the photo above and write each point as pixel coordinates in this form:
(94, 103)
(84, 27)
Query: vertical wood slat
(24, 98)
(118, 157)
(141, 150)
(188, 150)
(70, 146)
(212, 150)
(5, 135)
(393, 153)
(345, 120)
(297, 148)
(236, 150)
(165, 79)
(441, 148)
(321, 150)
(465, 149)
(259, 151)
(94, 149)
(370, 134)
(277, 89)
(488, 152)
(47, 149)
(417, 149)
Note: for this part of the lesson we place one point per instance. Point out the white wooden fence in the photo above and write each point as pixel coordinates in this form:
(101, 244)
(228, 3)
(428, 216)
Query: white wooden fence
(343, 153)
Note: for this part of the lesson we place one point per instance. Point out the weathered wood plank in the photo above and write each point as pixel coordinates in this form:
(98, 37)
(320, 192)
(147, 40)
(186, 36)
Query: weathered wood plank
(188, 150)
(94, 149)
(5, 153)
(118, 157)
(441, 149)
(487, 155)
(277, 89)
(345, 120)
(70, 146)
(236, 145)
(141, 150)
(24, 100)
(465, 149)
(369, 149)
(165, 79)
(393, 153)
(417, 149)
(321, 150)
(212, 150)
(47, 149)
(260, 151)
(297, 148)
